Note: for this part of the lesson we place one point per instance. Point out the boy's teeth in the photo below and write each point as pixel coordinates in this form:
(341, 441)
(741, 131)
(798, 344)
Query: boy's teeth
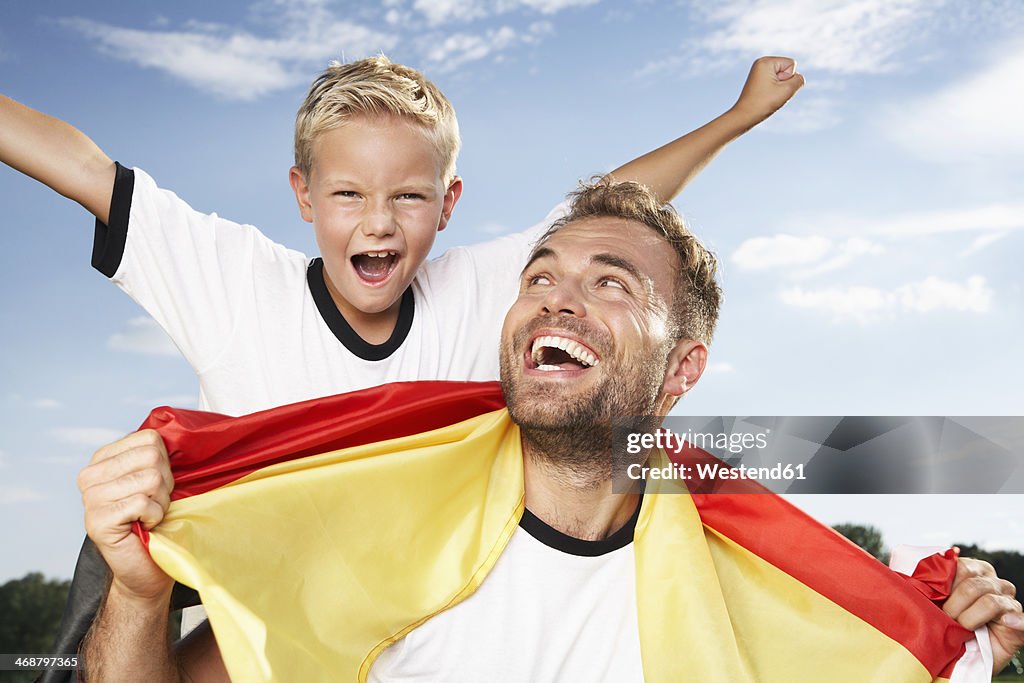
(375, 266)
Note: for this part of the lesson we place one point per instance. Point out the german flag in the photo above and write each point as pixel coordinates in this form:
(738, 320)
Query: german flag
(317, 534)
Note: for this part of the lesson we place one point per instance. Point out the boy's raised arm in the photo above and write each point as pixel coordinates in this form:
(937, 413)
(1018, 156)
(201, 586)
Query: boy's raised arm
(56, 154)
(668, 169)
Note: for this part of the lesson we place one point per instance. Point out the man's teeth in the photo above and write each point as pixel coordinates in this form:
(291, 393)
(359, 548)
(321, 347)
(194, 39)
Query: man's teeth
(379, 254)
(574, 349)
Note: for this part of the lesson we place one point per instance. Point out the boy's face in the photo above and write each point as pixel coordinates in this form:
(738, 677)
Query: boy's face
(376, 199)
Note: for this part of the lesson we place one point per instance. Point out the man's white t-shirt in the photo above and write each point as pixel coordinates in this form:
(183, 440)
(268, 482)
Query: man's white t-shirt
(255, 320)
(553, 608)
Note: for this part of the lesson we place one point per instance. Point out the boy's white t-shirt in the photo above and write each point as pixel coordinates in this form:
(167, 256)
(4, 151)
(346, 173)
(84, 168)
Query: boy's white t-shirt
(255, 320)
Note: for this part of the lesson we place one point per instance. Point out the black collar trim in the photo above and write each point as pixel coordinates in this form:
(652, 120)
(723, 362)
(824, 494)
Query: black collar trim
(553, 538)
(349, 338)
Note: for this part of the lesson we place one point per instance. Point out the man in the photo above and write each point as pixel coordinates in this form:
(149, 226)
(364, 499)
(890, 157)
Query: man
(609, 322)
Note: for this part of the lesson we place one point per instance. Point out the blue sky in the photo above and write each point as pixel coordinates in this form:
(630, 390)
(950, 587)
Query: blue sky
(869, 232)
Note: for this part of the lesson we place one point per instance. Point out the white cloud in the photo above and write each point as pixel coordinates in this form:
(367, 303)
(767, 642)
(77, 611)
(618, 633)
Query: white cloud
(87, 437)
(994, 222)
(840, 36)
(861, 304)
(460, 48)
(933, 294)
(46, 403)
(844, 255)
(393, 16)
(19, 494)
(553, 6)
(974, 119)
(993, 218)
(801, 256)
(780, 251)
(871, 304)
(984, 241)
(835, 36)
(232, 63)
(142, 335)
(237, 63)
(441, 11)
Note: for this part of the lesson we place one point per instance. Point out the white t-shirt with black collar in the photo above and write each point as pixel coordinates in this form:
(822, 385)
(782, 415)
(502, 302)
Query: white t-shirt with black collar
(255, 319)
(553, 609)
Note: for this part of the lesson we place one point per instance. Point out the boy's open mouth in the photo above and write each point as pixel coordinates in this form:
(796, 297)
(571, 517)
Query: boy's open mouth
(551, 353)
(374, 267)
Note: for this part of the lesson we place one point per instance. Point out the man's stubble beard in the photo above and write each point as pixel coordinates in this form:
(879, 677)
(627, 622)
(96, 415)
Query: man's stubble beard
(575, 435)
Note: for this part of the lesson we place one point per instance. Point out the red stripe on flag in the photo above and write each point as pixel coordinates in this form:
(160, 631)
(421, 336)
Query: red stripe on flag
(208, 450)
(827, 563)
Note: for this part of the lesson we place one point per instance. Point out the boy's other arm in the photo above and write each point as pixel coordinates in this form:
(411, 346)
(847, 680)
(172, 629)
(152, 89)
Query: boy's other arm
(56, 154)
(772, 81)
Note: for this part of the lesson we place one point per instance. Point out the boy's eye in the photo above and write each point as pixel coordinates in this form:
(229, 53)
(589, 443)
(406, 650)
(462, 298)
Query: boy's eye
(346, 193)
(410, 195)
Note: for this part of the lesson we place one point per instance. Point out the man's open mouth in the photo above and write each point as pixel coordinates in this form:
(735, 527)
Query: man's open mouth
(375, 267)
(551, 353)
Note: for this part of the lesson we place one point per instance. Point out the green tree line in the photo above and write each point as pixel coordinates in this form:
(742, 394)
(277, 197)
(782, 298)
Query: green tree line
(1007, 563)
(30, 612)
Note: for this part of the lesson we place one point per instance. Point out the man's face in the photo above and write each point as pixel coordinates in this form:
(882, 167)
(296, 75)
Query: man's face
(376, 199)
(588, 338)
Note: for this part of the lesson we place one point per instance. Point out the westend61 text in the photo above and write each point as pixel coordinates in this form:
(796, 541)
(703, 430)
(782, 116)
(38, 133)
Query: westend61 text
(703, 471)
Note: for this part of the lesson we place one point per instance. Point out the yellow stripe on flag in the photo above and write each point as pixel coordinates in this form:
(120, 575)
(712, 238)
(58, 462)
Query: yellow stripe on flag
(308, 569)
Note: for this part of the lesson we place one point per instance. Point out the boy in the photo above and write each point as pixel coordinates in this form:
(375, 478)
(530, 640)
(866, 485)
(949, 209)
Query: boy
(374, 173)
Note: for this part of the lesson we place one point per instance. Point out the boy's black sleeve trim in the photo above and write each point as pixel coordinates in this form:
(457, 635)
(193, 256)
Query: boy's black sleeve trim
(109, 239)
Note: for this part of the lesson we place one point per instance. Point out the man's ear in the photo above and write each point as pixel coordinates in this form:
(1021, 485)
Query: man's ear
(451, 196)
(686, 363)
(300, 187)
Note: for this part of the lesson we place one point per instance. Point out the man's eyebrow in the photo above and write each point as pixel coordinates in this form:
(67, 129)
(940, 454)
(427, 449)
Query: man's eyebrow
(543, 252)
(605, 258)
(622, 264)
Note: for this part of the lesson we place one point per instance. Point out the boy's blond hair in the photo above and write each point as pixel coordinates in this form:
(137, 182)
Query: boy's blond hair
(376, 86)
